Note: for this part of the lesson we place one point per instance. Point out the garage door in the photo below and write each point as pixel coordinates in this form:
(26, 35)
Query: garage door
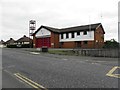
(40, 42)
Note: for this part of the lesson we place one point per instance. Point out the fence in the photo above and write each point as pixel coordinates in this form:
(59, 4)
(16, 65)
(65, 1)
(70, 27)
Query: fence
(91, 52)
(98, 52)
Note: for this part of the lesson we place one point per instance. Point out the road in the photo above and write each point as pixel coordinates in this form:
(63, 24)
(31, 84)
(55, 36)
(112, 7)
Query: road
(56, 71)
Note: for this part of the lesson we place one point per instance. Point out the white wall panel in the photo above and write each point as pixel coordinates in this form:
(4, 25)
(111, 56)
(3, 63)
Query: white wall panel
(43, 32)
(75, 34)
(64, 36)
(81, 37)
(70, 35)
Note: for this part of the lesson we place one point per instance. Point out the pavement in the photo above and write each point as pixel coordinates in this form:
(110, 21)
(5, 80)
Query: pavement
(57, 71)
(9, 81)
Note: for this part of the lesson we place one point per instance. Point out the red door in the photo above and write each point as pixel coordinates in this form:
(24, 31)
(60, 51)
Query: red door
(40, 42)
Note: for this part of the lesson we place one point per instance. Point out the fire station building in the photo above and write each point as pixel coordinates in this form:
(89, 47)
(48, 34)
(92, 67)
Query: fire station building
(85, 36)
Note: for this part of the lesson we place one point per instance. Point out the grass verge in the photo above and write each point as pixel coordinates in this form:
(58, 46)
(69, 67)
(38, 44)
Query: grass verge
(62, 52)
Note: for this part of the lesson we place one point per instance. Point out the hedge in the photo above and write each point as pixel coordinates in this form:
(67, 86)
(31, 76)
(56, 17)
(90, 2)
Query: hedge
(20, 46)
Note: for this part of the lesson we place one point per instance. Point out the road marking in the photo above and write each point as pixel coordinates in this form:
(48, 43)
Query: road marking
(30, 82)
(65, 59)
(100, 61)
(110, 73)
(34, 53)
(11, 66)
(95, 63)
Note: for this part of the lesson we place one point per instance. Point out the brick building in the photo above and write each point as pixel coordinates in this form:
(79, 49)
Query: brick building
(85, 36)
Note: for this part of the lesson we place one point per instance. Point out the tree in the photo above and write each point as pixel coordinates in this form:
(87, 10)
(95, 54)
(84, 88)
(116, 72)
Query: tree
(111, 44)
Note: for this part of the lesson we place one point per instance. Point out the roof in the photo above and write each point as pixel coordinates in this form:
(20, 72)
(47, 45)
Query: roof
(24, 39)
(72, 29)
(11, 40)
(48, 28)
(81, 28)
(2, 42)
(52, 29)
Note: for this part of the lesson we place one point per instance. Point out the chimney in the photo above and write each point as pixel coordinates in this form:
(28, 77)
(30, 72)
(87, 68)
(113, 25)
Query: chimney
(10, 38)
(24, 36)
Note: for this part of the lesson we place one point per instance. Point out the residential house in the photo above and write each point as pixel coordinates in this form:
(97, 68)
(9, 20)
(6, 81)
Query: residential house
(11, 41)
(24, 40)
(2, 43)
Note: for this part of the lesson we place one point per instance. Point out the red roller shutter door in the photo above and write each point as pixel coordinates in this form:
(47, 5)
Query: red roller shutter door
(38, 43)
(43, 42)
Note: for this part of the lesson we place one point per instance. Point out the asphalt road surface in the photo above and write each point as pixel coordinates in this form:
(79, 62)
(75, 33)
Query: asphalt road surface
(56, 71)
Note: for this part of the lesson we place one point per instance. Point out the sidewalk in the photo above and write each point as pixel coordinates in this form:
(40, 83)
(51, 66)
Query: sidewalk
(8, 81)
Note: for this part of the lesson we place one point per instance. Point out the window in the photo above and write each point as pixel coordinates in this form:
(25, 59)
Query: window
(85, 33)
(67, 35)
(72, 34)
(78, 33)
(62, 36)
(85, 42)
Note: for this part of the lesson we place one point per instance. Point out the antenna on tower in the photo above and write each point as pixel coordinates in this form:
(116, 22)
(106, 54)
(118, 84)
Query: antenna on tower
(89, 26)
(32, 28)
(101, 17)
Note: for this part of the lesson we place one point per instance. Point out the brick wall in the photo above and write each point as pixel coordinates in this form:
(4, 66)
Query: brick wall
(90, 44)
(68, 45)
(34, 41)
(54, 40)
(99, 38)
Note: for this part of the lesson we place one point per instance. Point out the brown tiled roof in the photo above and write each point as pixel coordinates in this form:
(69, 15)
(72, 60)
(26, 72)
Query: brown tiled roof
(11, 40)
(24, 39)
(72, 29)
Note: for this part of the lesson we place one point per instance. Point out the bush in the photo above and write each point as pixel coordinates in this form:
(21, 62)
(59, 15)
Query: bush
(11, 46)
(20, 46)
(111, 44)
(26, 46)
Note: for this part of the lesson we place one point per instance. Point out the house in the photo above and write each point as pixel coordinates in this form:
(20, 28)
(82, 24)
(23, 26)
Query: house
(11, 41)
(2, 43)
(85, 36)
(24, 40)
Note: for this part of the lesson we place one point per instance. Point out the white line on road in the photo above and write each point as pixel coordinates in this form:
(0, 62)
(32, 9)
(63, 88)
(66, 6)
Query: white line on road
(65, 59)
(36, 53)
(95, 63)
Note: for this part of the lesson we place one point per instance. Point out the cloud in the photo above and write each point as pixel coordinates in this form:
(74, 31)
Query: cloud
(56, 13)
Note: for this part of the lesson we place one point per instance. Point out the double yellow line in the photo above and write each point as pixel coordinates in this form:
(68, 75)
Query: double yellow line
(30, 82)
(110, 73)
